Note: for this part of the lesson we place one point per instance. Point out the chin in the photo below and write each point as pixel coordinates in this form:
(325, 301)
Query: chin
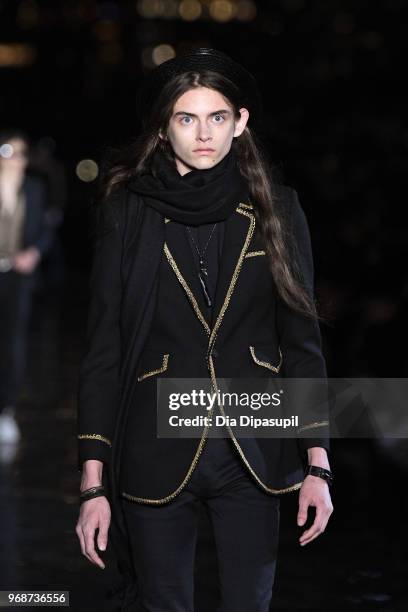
(205, 161)
(199, 163)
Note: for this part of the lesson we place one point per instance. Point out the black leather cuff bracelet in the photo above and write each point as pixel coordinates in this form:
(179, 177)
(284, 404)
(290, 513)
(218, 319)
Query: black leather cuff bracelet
(315, 470)
(98, 491)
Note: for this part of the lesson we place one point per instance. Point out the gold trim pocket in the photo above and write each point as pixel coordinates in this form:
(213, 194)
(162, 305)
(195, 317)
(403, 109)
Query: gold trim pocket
(152, 363)
(266, 356)
(254, 253)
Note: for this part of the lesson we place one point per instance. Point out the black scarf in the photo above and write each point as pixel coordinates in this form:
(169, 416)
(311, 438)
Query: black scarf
(198, 197)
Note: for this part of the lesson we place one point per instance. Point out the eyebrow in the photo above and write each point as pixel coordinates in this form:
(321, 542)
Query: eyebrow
(222, 111)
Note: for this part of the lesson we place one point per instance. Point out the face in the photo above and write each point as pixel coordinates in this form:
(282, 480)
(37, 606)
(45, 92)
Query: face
(13, 155)
(201, 129)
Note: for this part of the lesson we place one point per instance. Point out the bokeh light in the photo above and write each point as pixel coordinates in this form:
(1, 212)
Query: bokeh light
(16, 54)
(189, 10)
(162, 53)
(222, 10)
(87, 170)
(6, 150)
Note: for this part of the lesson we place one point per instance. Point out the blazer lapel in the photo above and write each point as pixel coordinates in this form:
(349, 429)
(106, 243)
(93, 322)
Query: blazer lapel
(239, 229)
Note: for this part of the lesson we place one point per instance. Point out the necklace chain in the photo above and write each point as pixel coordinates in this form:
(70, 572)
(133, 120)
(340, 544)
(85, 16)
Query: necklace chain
(202, 273)
(201, 255)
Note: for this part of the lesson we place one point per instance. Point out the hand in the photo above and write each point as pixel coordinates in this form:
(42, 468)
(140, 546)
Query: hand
(94, 514)
(314, 492)
(25, 261)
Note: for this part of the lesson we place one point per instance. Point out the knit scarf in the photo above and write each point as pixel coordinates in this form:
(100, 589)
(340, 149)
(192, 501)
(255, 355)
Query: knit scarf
(197, 197)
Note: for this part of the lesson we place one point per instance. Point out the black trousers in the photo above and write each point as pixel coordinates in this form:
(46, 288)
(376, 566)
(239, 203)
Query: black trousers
(245, 521)
(16, 292)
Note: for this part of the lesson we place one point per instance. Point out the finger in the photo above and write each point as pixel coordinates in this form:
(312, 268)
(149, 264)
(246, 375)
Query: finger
(310, 534)
(325, 518)
(83, 546)
(315, 528)
(321, 528)
(302, 512)
(90, 547)
(316, 535)
(85, 553)
(80, 538)
(103, 535)
(318, 525)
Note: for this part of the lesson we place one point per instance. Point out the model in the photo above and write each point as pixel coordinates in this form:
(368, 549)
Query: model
(202, 268)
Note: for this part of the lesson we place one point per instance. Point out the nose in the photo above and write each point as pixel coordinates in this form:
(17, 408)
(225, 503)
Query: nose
(204, 132)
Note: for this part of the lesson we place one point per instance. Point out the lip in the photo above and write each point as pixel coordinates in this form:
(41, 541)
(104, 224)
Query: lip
(204, 151)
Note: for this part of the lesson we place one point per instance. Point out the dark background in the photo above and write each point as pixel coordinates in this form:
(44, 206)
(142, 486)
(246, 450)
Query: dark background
(332, 77)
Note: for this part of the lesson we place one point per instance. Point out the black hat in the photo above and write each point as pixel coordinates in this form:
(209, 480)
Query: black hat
(203, 58)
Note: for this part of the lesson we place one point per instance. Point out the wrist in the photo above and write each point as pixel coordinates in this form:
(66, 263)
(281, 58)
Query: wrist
(317, 455)
(88, 484)
(91, 493)
(317, 472)
(91, 474)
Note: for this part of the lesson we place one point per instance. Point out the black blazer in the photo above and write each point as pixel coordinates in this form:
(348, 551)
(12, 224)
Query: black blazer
(252, 328)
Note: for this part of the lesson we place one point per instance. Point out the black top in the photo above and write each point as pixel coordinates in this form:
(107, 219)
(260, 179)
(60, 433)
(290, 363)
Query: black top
(212, 255)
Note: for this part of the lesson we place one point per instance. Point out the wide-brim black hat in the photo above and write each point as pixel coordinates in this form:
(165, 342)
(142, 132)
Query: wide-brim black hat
(203, 58)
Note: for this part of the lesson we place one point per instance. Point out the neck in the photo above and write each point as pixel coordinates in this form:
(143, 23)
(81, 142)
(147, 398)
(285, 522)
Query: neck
(182, 168)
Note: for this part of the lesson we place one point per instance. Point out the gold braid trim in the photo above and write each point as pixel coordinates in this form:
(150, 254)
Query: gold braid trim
(95, 437)
(313, 425)
(158, 370)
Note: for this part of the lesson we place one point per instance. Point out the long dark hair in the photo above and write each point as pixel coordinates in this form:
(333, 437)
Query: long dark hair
(254, 164)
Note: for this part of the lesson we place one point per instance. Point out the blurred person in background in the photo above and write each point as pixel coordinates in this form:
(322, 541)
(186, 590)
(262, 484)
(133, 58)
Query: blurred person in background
(45, 163)
(25, 237)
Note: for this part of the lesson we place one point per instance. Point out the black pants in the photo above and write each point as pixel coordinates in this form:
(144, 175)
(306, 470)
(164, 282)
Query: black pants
(15, 306)
(245, 520)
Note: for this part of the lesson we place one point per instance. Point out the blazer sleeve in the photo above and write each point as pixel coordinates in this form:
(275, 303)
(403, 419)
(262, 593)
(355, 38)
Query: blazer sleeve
(300, 337)
(98, 384)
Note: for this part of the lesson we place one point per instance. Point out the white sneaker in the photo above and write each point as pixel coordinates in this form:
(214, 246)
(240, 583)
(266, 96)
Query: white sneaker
(9, 430)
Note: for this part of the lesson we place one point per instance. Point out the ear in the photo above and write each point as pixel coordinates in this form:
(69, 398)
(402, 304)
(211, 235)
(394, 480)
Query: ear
(242, 121)
(162, 136)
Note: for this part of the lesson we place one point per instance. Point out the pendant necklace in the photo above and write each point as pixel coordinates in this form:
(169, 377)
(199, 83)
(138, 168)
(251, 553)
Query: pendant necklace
(203, 273)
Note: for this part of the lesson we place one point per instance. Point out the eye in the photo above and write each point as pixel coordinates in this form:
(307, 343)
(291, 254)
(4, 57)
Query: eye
(219, 116)
(185, 117)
